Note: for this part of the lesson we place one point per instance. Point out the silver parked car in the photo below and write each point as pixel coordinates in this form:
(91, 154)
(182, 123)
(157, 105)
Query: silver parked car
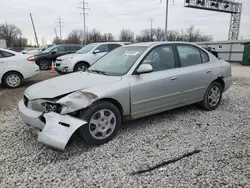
(128, 83)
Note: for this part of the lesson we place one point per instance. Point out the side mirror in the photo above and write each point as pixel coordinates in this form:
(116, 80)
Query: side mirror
(96, 51)
(53, 52)
(144, 68)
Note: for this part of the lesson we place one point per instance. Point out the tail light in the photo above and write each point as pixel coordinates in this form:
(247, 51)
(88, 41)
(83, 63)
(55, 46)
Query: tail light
(31, 59)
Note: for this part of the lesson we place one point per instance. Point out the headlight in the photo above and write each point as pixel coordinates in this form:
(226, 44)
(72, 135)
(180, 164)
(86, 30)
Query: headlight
(68, 60)
(52, 107)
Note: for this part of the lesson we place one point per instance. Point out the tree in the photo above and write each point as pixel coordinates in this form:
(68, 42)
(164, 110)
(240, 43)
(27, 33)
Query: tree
(194, 35)
(75, 37)
(126, 35)
(107, 37)
(159, 34)
(57, 40)
(94, 36)
(9, 32)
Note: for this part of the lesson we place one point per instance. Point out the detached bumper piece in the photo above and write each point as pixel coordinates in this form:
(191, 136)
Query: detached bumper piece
(58, 129)
(53, 129)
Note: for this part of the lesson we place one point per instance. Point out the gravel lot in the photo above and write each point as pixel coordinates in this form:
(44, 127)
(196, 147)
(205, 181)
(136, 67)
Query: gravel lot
(223, 136)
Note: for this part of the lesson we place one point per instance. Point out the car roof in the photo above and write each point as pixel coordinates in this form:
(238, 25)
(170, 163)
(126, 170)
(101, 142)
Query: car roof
(108, 43)
(147, 44)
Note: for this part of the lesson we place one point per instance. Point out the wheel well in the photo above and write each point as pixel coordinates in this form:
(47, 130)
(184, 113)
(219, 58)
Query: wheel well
(86, 63)
(221, 82)
(116, 103)
(9, 72)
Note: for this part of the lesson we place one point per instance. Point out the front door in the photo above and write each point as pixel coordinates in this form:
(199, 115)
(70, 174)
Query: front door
(100, 51)
(159, 90)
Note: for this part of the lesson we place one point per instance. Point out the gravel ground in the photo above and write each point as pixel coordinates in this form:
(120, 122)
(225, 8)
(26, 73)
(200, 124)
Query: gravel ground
(223, 136)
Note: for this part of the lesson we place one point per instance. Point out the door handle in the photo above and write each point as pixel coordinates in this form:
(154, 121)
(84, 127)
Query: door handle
(208, 71)
(174, 78)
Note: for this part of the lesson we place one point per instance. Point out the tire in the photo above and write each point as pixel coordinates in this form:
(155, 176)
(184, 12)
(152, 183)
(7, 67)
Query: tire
(44, 64)
(93, 132)
(12, 80)
(81, 67)
(212, 99)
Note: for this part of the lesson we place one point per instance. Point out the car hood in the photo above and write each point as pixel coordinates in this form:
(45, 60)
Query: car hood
(66, 84)
(68, 56)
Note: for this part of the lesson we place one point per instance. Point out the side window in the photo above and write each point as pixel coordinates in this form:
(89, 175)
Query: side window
(103, 48)
(1, 55)
(204, 57)
(6, 54)
(189, 55)
(113, 46)
(70, 48)
(61, 49)
(161, 58)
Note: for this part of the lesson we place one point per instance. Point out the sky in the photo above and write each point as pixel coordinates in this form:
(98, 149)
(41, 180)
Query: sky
(114, 15)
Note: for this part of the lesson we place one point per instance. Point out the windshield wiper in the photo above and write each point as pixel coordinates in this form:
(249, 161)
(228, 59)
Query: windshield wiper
(99, 72)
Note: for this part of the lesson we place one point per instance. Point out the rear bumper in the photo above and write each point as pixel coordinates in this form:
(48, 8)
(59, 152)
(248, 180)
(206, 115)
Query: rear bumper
(57, 129)
(228, 82)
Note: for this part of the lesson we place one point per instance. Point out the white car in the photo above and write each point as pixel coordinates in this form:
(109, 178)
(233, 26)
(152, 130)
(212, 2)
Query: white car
(85, 57)
(15, 67)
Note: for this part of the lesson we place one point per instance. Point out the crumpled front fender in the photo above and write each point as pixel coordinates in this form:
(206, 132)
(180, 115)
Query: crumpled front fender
(76, 101)
(58, 129)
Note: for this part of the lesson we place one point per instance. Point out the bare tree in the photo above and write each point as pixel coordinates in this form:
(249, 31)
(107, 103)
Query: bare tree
(107, 37)
(20, 42)
(126, 35)
(75, 37)
(194, 35)
(94, 36)
(9, 32)
(159, 34)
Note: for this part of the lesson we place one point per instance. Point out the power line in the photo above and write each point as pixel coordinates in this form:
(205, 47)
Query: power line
(60, 26)
(83, 8)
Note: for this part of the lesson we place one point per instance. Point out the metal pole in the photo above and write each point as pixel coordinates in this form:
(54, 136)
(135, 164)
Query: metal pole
(60, 27)
(34, 29)
(166, 23)
(84, 21)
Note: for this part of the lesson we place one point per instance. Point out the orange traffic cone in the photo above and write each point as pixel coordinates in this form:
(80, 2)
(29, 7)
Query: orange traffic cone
(53, 67)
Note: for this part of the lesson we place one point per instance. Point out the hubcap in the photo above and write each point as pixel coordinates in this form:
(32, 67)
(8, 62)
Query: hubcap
(44, 64)
(102, 124)
(13, 80)
(81, 68)
(214, 96)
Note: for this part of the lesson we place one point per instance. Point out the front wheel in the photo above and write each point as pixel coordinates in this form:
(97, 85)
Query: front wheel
(212, 97)
(104, 121)
(81, 67)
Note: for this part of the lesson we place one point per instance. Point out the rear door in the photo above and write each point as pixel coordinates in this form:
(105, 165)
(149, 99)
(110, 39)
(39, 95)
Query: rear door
(195, 72)
(3, 62)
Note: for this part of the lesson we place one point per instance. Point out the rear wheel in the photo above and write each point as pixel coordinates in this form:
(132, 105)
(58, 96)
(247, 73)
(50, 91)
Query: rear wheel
(81, 67)
(43, 64)
(212, 97)
(104, 121)
(12, 79)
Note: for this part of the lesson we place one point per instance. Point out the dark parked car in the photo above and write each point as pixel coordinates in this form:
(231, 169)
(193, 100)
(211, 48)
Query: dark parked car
(44, 60)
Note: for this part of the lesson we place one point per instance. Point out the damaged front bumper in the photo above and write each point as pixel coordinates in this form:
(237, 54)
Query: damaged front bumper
(53, 129)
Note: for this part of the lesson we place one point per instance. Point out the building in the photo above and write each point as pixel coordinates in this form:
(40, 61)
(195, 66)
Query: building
(231, 51)
(2, 43)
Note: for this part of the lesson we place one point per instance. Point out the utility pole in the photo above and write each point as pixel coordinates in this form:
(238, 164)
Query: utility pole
(60, 26)
(166, 22)
(83, 8)
(151, 29)
(34, 30)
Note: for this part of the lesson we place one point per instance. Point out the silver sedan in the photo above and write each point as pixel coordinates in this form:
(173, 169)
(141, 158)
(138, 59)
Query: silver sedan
(130, 82)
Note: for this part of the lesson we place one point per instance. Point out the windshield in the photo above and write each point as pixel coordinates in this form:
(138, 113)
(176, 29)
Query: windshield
(86, 49)
(119, 61)
(50, 49)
